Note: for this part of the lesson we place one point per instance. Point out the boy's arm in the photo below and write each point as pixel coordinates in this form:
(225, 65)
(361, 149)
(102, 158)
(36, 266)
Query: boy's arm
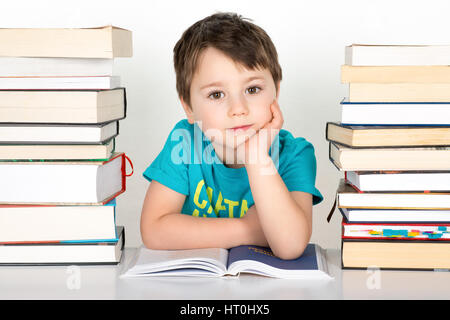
(164, 227)
(285, 217)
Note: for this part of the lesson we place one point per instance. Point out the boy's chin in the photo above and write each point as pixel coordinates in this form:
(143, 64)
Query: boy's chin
(231, 141)
(234, 144)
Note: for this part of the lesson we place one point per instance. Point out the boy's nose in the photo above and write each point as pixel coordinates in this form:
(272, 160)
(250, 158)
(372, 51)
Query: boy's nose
(238, 107)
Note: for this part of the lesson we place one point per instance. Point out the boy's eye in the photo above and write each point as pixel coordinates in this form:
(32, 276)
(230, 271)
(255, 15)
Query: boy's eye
(253, 90)
(216, 95)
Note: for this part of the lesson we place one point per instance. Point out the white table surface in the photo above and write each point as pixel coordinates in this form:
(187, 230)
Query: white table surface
(103, 282)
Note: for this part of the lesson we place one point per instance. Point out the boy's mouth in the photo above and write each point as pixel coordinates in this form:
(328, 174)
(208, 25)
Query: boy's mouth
(243, 128)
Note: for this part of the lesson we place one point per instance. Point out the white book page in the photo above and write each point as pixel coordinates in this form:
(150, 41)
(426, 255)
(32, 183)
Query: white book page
(179, 262)
(397, 215)
(27, 83)
(109, 179)
(48, 183)
(56, 67)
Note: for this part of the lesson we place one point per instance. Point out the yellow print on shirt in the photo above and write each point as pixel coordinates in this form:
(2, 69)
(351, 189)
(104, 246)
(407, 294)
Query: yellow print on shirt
(221, 204)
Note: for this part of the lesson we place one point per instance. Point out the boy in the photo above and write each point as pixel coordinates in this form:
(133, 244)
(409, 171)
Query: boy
(230, 158)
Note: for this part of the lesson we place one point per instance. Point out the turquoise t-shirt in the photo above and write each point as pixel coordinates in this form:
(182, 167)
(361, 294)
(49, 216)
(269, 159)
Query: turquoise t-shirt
(214, 190)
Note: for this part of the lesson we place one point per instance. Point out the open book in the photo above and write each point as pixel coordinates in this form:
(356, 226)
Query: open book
(218, 262)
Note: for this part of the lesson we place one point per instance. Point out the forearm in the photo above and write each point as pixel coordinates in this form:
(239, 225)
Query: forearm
(286, 227)
(181, 231)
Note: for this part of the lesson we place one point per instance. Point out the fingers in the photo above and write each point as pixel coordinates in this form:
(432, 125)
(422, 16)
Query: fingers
(277, 116)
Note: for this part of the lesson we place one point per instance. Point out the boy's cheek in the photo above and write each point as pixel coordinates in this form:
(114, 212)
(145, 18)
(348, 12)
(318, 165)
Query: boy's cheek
(266, 113)
(266, 116)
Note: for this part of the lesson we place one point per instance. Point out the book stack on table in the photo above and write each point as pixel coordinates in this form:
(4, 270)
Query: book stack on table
(60, 107)
(393, 143)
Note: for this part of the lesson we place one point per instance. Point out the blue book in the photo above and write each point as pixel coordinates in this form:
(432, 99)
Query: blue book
(219, 262)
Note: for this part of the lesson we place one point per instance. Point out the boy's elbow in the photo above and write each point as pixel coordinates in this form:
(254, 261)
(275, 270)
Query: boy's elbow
(151, 245)
(290, 252)
(292, 249)
(146, 238)
(151, 242)
(149, 238)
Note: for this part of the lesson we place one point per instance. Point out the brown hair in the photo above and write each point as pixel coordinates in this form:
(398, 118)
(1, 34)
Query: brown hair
(241, 40)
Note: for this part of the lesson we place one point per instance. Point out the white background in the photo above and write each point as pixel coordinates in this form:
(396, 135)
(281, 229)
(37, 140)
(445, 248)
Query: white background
(310, 37)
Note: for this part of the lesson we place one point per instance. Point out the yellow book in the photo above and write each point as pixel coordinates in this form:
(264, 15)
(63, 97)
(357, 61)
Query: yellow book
(62, 106)
(102, 42)
(374, 159)
(395, 74)
(396, 254)
(10, 152)
(399, 92)
(359, 136)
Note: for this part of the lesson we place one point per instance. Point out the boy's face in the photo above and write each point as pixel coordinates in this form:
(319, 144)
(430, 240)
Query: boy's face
(225, 95)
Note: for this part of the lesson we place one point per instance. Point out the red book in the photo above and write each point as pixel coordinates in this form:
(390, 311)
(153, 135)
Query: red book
(396, 231)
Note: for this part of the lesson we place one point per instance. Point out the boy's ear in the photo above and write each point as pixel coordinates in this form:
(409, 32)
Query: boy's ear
(278, 90)
(188, 110)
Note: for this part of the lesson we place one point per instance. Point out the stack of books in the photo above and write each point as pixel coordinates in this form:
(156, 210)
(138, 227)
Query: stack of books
(60, 107)
(393, 143)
